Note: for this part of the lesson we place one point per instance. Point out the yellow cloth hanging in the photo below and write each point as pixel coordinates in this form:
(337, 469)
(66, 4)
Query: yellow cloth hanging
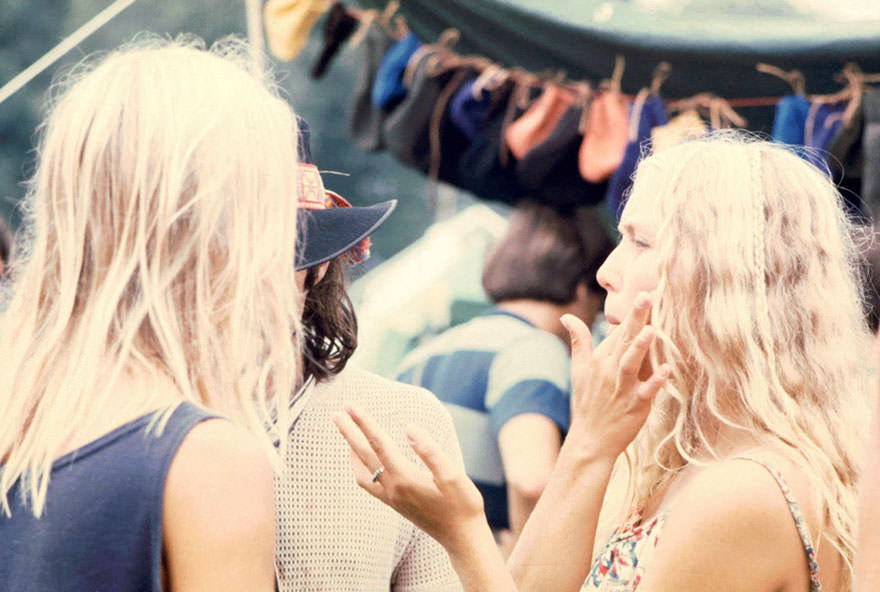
(685, 125)
(288, 23)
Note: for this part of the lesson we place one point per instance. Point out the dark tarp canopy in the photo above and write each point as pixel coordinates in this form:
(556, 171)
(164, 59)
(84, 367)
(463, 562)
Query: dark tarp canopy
(709, 52)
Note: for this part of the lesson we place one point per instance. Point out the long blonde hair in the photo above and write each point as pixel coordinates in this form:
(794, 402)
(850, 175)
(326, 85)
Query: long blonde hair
(163, 227)
(759, 312)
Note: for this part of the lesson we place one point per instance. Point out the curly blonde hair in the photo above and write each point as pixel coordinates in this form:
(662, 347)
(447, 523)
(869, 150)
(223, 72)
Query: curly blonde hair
(162, 239)
(759, 312)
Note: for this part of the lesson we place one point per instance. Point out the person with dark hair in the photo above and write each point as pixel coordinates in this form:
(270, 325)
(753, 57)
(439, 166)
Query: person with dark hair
(504, 375)
(330, 535)
(6, 243)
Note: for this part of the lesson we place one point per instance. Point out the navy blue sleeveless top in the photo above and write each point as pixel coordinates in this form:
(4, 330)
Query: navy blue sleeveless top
(101, 528)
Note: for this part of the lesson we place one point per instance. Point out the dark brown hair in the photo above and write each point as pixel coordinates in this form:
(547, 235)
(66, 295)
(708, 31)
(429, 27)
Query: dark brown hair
(329, 323)
(545, 254)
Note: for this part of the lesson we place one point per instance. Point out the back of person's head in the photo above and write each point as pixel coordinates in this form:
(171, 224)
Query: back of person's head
(162, 235)
(545, 254)
(758, 311)
(329, 323)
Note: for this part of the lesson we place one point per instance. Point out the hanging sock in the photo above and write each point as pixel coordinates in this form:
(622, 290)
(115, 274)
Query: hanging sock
(482, 170)
(871, 151)
(823, 124)
(418, 131)
(846, 158)
(646, 113)
(601, 152)
(539, 120)
(338, 27)
(389, 89)
(288, 23)
(467, 109)
(550, 172)
(790, 119)
(479, 98)
(366, 121)
(686, 125)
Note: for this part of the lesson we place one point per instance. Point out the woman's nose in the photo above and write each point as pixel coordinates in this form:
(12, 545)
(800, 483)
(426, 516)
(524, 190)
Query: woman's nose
(605, 275)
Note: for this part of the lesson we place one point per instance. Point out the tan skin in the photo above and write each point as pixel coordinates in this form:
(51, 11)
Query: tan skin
(207, 547)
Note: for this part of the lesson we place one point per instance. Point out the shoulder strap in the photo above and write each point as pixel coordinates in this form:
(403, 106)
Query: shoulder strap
(799, 521)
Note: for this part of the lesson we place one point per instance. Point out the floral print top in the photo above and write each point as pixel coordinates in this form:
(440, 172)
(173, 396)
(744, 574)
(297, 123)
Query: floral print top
(621, 564)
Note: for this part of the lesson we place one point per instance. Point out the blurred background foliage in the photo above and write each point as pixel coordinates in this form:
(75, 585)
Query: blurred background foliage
(30, 28)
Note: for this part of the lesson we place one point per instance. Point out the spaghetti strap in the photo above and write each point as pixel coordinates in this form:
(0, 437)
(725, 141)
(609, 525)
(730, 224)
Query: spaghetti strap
(800, 523)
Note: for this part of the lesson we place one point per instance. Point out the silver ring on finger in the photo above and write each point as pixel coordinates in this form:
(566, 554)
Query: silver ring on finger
(377, 474)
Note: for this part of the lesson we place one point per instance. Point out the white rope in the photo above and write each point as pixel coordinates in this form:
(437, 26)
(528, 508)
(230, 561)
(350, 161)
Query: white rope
(74, 39)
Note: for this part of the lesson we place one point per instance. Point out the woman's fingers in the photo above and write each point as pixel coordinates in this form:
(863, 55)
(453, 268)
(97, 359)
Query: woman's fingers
(363, 475)
(356, 439)
(634, 356)
(384, 449)
(363, 460)
(427, 449)
(635, 320)
(581, 339)
(652, 386)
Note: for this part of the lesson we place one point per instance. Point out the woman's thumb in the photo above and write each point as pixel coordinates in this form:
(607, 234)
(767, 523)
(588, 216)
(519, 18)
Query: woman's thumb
(579, 334)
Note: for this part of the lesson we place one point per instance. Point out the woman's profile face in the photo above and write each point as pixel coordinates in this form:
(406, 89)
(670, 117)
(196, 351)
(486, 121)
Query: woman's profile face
(633, 265)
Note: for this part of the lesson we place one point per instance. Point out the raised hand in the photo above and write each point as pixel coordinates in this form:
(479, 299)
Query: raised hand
(442, 503)
(611, 398)
(612, 386)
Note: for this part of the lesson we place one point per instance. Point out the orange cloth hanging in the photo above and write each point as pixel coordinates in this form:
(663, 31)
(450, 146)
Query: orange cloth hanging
(605, 138)
(535, 125)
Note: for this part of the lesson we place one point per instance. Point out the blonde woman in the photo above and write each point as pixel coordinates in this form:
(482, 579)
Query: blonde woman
(734, 287)
(157, 299)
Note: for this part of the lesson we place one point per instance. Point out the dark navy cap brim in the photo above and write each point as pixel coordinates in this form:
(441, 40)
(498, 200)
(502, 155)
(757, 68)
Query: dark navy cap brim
(327, 234)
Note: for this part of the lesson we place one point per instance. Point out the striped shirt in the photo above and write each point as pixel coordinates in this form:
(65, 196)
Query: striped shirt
(486, 372)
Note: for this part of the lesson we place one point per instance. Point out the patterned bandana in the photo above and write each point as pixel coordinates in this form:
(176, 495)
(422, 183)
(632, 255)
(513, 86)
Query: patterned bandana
(314, 196)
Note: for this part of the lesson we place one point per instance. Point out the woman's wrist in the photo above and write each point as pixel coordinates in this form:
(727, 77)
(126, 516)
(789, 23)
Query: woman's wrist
(469, 539)
(476, 559)
(581, 449)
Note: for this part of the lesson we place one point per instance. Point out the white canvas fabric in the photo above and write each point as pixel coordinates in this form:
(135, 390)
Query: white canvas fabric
(333, 536)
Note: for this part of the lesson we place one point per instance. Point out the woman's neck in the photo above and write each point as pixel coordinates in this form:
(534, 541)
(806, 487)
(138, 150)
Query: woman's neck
(726, 441)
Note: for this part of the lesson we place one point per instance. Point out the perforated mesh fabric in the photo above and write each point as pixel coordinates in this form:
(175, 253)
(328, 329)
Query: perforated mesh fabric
(333, 536)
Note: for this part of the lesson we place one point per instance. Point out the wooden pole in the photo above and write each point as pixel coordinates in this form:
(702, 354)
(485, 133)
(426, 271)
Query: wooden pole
(74, 39)
(255, 34)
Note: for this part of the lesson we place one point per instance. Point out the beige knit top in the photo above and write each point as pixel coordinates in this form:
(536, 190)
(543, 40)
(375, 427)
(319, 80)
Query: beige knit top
(331, 534)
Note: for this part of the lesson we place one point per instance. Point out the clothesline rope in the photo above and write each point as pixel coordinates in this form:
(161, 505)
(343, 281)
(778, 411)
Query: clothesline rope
(795, 78)
(68, 43)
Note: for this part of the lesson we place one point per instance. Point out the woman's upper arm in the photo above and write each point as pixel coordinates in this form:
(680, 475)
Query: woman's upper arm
(218, 516)
(729, 530)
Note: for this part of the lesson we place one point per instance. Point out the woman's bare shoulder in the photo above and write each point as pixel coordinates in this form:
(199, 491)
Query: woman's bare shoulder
(728, 527)
(218, 518)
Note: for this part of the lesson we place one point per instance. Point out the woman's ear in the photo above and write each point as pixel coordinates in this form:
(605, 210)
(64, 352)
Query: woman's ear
(318, 274)
(306, 279)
